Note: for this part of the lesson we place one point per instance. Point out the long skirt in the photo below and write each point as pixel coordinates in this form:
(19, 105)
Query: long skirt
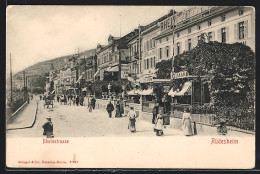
(187, 128)
(118, 113)
(131, 125)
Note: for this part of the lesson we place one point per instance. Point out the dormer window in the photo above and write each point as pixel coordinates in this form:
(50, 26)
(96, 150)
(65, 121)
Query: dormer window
(241, 12)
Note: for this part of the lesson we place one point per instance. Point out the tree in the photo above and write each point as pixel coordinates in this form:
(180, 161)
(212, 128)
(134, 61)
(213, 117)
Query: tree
(164, 69)
(229, 68)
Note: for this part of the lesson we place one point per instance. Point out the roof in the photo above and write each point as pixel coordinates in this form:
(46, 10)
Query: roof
(165, 33)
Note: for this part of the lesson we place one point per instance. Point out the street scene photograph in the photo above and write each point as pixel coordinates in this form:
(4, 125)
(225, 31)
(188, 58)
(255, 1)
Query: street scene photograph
(111, 77)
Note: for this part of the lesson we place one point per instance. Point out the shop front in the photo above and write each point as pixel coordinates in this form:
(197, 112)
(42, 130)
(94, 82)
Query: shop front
(190, 92)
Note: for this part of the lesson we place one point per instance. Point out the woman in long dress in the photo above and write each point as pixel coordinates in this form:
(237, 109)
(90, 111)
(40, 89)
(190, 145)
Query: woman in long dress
(118, 110)
(132, 116)
(159, 123)
(186, 123)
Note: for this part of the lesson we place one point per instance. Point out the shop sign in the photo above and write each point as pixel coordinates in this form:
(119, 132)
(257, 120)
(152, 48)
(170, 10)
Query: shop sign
(146, 79)
(185, 14)
(166, 24)
(179, 75)
(124, 71)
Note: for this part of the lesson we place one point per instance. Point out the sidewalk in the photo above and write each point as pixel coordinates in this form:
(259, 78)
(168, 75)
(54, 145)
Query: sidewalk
(25, 118)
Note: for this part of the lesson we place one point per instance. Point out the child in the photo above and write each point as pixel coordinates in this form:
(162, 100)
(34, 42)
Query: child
(159, 123)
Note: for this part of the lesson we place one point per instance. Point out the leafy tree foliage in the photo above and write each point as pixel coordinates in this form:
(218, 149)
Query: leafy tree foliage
(164, 69)
(229, 69)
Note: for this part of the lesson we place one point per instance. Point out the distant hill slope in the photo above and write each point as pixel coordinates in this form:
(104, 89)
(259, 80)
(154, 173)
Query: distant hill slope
(44, 67)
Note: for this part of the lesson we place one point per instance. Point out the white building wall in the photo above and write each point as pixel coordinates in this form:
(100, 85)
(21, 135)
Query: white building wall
(231, 23)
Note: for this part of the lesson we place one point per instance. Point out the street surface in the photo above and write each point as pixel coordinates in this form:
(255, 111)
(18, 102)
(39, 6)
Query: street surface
(77, 121)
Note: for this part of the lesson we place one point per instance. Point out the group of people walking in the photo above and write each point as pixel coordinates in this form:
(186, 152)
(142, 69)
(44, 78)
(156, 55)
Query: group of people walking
(119, 109)
(75, 100)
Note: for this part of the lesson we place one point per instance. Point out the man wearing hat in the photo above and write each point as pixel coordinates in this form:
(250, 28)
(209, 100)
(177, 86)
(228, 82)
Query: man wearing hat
(48, 128)
(110, 108)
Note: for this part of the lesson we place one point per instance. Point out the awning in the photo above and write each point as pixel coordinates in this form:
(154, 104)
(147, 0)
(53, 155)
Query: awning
(172, 93)
(96, 73)
(133, 92)
(113, 69)
(84, 89)
(80, 77)
(186, 89)
(146, 92)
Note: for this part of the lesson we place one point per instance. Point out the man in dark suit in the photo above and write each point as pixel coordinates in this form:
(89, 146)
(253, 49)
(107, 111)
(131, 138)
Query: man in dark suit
(48, 128)
(110, 109)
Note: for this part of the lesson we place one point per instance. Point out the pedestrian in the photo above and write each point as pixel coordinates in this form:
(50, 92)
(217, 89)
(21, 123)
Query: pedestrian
(155, 112)
(186, 123)
(48, 128)
(132, 119)
(58, 98)
(159, 123)
(81, 100)
(110, 108)
(118, 110)
(77, 100)
(93, 102)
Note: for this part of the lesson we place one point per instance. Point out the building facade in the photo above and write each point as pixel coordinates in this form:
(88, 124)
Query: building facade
(223, 24)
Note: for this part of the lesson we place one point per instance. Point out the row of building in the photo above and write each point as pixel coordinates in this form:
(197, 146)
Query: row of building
(134, 56)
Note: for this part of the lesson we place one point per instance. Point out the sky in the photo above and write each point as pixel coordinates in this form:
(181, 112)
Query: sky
(39, 33)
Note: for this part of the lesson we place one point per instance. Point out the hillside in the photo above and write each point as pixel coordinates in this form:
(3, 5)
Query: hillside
(44, 67)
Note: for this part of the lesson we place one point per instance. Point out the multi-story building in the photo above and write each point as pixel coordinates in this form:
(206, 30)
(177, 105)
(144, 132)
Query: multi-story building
(91, 68)
(223, 24)
(134, 53)
(164, 39)
(111, 57)
(150, 55)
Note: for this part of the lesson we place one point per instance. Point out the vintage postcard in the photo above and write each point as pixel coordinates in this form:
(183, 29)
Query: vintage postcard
(130, 87)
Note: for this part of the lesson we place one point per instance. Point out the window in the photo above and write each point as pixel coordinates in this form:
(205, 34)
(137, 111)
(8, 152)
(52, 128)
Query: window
(189, 30)
(189, 44)
(223, 18)
(151, 59)
(160, 53)
(167, 51)
(198, 27)
(223, 34)
(151, 44)
(241, 12)
(147, 45)
(241, 30)
(178, 48)
(154, 61)
(167, 38)
(160, 40)
(210, 36)
(147, 61)
(209, 23)
(178, 34)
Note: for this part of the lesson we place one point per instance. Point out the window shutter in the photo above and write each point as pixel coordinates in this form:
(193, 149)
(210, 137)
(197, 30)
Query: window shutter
(186, 44)
(246, 29)
(227, 34)
(235, 32)
(219, 35)
(213, 35)
(180, 47)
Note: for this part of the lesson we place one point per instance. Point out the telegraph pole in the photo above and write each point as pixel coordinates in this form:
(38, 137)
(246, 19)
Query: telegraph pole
(139, 66)
(11, 77)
